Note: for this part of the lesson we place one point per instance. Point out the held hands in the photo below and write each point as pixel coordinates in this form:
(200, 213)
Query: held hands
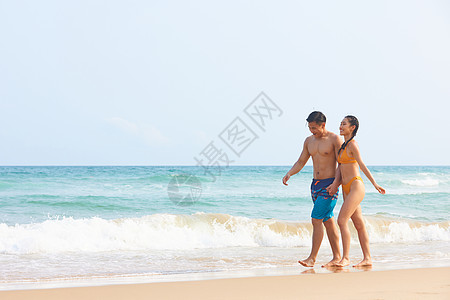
(332, 189)
(286, 178)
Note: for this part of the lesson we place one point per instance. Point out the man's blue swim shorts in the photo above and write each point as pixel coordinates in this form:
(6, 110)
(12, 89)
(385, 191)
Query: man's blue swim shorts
(323, 203)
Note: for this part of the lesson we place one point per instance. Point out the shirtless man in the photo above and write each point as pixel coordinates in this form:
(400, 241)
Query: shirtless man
(322, 146)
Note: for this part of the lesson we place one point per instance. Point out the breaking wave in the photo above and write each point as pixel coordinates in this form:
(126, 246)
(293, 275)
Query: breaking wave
(184, 232)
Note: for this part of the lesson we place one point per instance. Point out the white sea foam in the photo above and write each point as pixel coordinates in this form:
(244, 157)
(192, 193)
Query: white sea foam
(421, 182)
(392, 231)
(182, 232)
(159, 231)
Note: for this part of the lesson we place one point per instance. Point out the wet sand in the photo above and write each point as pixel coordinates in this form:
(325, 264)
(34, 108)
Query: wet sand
(431, 283)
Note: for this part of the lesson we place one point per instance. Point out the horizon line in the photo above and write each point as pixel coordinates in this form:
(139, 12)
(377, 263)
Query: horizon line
(290, 165)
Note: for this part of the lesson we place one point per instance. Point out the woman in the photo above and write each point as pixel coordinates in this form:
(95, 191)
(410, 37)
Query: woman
(350, 161)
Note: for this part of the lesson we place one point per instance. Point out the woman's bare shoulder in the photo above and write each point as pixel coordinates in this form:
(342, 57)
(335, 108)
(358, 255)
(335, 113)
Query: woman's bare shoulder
(353, 145)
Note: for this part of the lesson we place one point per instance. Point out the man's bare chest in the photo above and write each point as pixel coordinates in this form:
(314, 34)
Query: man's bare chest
(324, 148)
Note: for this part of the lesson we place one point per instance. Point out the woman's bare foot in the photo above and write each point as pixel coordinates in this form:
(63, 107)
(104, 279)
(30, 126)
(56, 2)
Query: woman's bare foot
(337, 269)
(343, 263)
(309, 262)
(366, 262)
(332, 263)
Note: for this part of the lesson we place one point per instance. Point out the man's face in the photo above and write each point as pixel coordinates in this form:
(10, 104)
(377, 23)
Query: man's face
(316, 129)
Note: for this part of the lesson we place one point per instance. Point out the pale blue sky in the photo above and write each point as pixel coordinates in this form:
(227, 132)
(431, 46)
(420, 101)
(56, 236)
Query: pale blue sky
(153, 82)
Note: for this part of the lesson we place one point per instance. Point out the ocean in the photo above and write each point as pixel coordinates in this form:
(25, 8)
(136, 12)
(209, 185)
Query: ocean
(84, 225)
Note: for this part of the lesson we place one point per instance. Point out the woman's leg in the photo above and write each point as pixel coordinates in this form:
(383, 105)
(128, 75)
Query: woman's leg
(363, 237)
(351, 203)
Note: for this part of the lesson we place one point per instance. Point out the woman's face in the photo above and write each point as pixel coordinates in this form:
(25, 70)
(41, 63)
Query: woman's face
(346, 128)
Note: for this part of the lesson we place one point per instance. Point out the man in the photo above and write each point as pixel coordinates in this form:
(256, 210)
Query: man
(322, 146)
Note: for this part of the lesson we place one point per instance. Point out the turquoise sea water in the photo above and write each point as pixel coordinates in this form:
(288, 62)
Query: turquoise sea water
(80, 223)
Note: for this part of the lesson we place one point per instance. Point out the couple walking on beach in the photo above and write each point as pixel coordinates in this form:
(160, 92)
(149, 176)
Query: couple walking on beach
(335, 163)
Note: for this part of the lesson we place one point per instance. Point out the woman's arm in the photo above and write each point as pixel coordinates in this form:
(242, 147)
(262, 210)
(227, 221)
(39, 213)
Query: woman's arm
(354, 151)
(333, 188)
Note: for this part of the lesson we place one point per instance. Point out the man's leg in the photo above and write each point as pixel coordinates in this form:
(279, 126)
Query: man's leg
(333, 238)
(317, 238)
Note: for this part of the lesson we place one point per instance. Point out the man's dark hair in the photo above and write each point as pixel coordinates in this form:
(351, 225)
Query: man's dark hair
(316, 116)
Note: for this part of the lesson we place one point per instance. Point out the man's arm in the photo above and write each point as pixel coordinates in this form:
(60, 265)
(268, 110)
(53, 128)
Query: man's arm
(301, 162)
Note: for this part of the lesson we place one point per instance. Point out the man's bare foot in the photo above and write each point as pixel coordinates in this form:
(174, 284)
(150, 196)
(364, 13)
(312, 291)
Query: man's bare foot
(309, 262)
(367, 262)
(343, 263)
(332, 263)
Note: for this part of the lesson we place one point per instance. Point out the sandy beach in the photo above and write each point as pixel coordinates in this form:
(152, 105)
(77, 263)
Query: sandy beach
(430, 283)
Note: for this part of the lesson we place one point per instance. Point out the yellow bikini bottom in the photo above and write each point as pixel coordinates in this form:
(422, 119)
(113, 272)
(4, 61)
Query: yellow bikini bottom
(346, 187)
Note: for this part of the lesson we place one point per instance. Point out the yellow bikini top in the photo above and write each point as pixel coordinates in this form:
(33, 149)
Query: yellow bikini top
(343, 158)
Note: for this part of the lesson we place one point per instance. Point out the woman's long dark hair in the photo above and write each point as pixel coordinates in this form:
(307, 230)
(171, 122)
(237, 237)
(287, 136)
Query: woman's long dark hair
(353, 121)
